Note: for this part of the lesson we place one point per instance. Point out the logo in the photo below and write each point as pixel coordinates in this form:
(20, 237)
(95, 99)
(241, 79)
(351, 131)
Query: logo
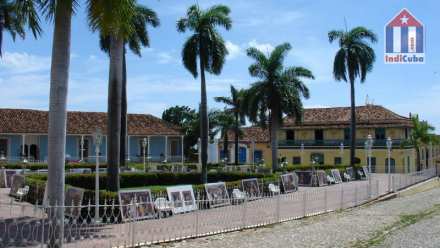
(404, 40)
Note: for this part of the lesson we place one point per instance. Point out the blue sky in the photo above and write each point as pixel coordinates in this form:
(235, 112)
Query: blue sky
(158, 80)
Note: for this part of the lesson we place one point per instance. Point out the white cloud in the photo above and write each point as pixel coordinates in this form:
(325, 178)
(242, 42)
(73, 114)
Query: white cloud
(276, 17)
(263, 47)
(233, 49)
(22, 62)
(166, 58)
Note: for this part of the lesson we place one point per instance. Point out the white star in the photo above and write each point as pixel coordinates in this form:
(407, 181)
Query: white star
(404, 19)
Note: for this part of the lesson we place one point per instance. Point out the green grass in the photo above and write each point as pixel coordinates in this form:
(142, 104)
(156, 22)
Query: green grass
(404, 221)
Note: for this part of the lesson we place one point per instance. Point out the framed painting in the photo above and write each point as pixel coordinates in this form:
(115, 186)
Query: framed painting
(366, 172)
(73, 201)
(251, 188)
(322, 178)
(182, 198)
(304, 178)
(290, 182)
(9, 174)
(136, 204)
(2, 178)
(336, 175)
(17, 182)
(217, 194)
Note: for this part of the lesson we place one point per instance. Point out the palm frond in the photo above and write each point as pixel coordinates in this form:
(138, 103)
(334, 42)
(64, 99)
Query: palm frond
(189, 54)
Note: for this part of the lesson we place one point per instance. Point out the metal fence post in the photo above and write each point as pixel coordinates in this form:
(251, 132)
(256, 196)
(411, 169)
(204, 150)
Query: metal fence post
(377, 188)
(244, 213)
(197, 220)
(356, 195)
(278, 208)
(342, 196)
(326, 200)
(304, 203)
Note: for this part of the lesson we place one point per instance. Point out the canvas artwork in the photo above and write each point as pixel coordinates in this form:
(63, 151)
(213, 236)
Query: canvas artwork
(73, 201)
(304, 178)
(350, 172)
(17, 183)
(336, 175)
(217, 194)
(9, 174)
(136, 204)
(290, 182)
(365, 170)
(322, 178)
(182, 197)
(251, 188)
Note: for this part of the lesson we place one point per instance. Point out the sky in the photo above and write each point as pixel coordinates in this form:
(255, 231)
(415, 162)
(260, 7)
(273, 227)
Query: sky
(158, 80)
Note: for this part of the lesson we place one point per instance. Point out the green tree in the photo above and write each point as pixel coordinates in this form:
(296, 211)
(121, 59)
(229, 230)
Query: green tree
(139, 38)
(208, 46)
(234, 105)
(421, 134)
(223, 122)
(61, 13)
(278, 91)
(16, 16)
(113, 18)
(354, 58)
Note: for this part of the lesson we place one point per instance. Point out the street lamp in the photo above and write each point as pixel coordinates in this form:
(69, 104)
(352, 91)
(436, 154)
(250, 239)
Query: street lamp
(97, 136)
(144, 146)
(369, 146)
(389, 146)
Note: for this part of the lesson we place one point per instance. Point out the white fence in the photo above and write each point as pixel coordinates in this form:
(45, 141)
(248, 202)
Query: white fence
(31, 226)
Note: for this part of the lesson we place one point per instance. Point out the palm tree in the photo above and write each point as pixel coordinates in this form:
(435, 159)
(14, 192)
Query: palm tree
(138, 39)
(113, 18)
(16, 16)
(278, 91)
(61, 12)
(354, 59)
(421, 134)
(206, 44)
(235, 104)
(224, 121)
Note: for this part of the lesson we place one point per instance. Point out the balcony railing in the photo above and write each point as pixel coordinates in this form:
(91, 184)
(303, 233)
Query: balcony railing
(337, 143)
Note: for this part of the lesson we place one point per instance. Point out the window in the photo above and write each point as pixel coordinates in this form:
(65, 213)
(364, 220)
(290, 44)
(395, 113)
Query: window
(380, 133)
(319, 134)
(318, 158)
(85, 148)
(296, 160)
(357, 161)
(290, 135)
(392, 165)
(347, 133)
(406, 133)
(338, 160)
(3, 148)
(258, 156)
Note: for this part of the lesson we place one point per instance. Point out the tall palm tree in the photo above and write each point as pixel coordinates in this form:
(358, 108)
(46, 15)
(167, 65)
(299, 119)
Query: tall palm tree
(16, 16)
(113, 18)
(208, 46)
(278, 91)
(421, 134)
(235, 104)
(224, 121)
(355, 58)
(139, 38)
(61, 12)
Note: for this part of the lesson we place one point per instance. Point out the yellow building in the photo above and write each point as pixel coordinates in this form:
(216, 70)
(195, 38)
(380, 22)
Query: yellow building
(323, 136)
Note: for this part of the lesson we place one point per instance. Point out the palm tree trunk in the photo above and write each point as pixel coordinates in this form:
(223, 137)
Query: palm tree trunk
(114, 112)
(274, 124)
(352, 124)
(203, 124)
(59, 80)
(418, 158)
(124, 119)
(236, 139)
(225, 146)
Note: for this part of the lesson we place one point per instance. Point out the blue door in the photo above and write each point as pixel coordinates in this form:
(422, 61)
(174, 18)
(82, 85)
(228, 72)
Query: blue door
(242, 155)
(258, 156)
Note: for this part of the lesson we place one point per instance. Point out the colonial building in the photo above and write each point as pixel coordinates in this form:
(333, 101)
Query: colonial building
(23, 135)
(323, 137)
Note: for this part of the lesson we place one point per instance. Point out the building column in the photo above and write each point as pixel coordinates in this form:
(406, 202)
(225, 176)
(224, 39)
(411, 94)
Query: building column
(82, 148)
(148, 149)
(182, 149)
(128, 147)
(166, 149)
(23, 143)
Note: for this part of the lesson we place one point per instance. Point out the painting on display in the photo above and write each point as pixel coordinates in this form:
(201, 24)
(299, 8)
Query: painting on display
(336, 175)
(73, 201)
(17, 183)
(9, 174)
(217, 194)
(2, 179)
(290, 182)
(350, 172)
(304, 178)
(182, 198)
(251, 187)
(322, 178)
(365, 170)
(136, 204)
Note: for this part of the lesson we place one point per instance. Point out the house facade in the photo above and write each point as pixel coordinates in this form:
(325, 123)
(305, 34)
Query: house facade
(23, 136)
(323, 137)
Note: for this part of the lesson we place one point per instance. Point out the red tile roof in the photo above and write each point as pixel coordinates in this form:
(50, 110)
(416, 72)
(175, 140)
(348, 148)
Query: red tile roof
(36, 121)
(338, 117)
(249, 134)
